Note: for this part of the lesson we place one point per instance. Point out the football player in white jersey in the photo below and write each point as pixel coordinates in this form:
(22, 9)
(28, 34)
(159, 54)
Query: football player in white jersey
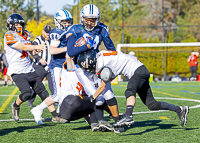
(16, 45)
(109, 64)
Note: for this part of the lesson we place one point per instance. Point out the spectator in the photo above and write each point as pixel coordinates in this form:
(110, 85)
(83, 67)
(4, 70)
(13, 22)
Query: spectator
(192, 59)
(5, 68)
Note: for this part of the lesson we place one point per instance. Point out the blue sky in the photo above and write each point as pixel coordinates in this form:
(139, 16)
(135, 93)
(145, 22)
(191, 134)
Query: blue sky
(51, 6)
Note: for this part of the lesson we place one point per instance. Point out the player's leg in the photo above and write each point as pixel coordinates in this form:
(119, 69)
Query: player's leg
(147, 98)
(42, 92)
(41, 72)
(22, 83)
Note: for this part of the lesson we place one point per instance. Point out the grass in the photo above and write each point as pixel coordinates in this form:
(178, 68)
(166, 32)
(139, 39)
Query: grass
(149, 127)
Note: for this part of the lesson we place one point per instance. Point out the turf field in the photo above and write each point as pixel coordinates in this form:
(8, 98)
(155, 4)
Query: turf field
(149, 126)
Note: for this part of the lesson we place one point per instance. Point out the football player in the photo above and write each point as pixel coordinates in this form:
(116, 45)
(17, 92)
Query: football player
(16, 45)
(93, 32)
(109, 64)
(63, 19)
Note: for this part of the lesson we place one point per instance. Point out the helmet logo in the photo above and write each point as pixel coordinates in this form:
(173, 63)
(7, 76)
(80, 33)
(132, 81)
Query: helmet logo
(57, 14)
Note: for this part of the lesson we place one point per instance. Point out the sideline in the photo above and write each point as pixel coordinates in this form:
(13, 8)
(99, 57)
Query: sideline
(3, 107)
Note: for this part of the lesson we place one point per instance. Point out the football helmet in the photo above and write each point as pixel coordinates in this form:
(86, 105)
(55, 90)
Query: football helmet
(92, 12)
(87, 60)
(12, 20)
(60, 16)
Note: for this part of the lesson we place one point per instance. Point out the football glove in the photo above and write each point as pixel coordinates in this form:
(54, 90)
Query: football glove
(92, 99)
(89, 42)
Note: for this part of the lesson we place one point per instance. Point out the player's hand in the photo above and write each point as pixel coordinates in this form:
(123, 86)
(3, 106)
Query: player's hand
(35, 52)
(43, 62)
(92, 99)
(41, 46)
(90, 42)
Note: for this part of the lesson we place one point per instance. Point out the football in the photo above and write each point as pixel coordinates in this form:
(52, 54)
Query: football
(80, 42)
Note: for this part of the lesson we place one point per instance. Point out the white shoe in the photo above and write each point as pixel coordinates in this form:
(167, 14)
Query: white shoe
(37, 115)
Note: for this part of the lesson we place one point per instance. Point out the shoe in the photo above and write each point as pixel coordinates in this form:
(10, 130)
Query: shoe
(126, 120)
(104, 125)
(95, 127)
(37, 115)
(183, 114)
(13, 84)
(59, 120)
(5, 85)
(119, 129)
(29, 104)
(15, 112)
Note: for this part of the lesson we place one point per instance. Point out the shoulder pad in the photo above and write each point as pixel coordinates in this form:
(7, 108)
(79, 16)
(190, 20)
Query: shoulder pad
(106, 74)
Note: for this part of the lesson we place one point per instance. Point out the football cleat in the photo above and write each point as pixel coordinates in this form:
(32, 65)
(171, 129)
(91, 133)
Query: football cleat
(105, 126)
(15, 112)
(119, 129)
(59, 120)
(95, 127)
(37, 115)
(125, 121)
(183, 114)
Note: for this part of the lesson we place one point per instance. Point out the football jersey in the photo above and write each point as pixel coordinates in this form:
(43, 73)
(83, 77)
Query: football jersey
(58, 59)
(70, 85)
(18, 60)
(99, 34)
(118, 62)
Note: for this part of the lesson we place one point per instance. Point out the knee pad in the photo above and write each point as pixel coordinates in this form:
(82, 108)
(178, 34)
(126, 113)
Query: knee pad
(154, 105)
(111, 102)
(99, 101)
(43, 95)
(25, 96)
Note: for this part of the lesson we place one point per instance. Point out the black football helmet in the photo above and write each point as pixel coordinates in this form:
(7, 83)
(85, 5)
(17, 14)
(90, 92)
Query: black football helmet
(12, 20)
(87, 60)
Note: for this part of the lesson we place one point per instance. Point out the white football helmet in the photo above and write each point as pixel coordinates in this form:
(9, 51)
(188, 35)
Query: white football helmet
(62, 15)
(90, 11)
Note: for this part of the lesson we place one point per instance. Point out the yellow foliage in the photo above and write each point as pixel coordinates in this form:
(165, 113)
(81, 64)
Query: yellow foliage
(36, 29)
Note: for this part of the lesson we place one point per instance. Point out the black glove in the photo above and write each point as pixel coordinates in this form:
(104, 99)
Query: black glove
(92, 99)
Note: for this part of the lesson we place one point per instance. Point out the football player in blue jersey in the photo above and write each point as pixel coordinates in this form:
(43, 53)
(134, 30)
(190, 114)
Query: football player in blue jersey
(94, 33)
(63, 19)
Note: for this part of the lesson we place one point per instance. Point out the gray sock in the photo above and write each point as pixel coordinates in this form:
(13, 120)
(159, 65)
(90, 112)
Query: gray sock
(171, 107)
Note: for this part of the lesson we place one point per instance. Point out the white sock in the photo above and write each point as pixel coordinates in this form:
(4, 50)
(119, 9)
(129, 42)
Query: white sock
(42, 106)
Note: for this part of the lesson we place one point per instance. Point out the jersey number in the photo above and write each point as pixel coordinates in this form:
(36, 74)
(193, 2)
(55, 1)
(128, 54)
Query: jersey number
(9, 37)
(24, 54)
(79, 87)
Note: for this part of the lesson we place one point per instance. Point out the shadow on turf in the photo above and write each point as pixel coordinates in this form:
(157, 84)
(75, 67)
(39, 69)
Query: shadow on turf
(21, 129)
(154, 123)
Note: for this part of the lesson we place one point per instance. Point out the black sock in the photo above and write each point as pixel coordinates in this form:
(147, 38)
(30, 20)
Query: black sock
(116, 119)
(5, 82)
(15, 104)
(129, 110)
(93, 118)
(171, 107)
(54, 114)
(98, 113)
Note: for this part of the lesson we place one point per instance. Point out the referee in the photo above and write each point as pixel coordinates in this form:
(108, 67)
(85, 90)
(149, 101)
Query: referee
(41, 62)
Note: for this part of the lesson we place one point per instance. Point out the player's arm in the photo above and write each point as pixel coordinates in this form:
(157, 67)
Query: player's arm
(56, 42)
(69, 62)
(75, 51)
(106, 39)
(100, 89)
(22, 46)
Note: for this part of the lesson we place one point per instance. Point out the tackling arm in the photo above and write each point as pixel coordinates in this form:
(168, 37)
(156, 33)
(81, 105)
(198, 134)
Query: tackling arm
(72, 50)
(22, 46)
(100, 89)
